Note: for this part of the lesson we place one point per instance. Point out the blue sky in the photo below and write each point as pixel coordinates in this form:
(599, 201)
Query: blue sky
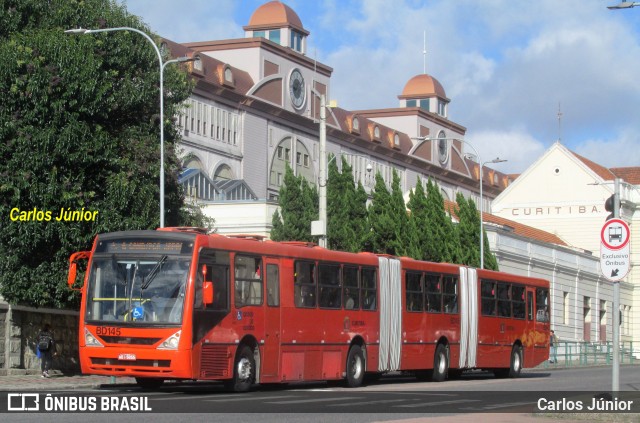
(506, 65)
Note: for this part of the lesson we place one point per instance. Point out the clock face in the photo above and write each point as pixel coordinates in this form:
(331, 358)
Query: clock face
(296, 89)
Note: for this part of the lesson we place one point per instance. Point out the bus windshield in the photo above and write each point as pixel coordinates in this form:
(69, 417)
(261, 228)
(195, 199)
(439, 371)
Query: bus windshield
(137, 290)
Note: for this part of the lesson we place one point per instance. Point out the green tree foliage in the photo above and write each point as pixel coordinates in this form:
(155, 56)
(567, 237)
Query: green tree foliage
(298, 203)
(468, 232)
(79, 120)
(346, 209)
(469, 235)
(389, 221)
(420, 223)
(444, 245)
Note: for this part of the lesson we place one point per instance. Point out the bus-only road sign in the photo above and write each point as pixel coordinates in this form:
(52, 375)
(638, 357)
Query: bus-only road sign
(614, 249)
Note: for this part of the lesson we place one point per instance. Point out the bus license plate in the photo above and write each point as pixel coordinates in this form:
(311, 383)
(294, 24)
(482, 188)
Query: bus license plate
(127, 357)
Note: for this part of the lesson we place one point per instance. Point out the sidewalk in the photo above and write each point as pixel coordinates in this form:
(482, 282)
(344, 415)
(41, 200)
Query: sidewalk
(59, 381)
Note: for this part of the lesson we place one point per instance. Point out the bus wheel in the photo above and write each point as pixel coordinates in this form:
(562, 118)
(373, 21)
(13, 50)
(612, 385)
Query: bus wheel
(515, 367)
(244, 371)
(355, 367)
(149, 382)
(440, 364)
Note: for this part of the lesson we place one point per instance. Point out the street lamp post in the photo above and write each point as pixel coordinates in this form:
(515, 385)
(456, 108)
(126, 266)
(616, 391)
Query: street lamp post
(481, 164)
(161, 65)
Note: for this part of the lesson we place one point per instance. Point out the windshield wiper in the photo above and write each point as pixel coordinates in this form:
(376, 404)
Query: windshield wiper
(153, 273)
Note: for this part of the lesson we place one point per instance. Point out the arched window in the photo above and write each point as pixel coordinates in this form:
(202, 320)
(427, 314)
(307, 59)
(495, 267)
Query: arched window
(223, 172)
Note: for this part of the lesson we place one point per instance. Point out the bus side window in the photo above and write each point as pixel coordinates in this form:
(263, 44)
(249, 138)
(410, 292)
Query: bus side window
(434, 293)
(369, 288)
(248, 284)
(488, 293)
(305, 284)
(450, 294)
(542, 305)
(273, 285)
(350, 285)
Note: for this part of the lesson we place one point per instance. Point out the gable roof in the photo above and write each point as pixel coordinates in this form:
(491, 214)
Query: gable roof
(513, 226)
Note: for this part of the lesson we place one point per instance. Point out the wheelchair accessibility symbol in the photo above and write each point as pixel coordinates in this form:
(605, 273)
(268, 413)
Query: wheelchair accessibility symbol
(137, 312)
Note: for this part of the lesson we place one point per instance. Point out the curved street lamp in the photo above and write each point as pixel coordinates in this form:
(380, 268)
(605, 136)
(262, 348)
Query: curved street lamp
(161, 65)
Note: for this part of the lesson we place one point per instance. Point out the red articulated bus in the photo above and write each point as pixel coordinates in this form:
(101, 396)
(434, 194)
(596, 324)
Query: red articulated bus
(178, 303)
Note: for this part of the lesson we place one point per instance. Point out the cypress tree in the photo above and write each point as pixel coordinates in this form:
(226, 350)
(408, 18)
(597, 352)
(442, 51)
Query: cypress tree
(468, 231)
(444, 242)
(420, 222)
(382, 223)
(293, 222)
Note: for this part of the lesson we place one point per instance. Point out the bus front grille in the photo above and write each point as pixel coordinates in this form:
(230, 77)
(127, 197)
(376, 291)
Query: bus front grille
(214, 361)
(128, 363)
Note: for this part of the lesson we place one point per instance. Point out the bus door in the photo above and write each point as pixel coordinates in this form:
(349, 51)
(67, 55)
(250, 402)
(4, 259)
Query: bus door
(271, 356)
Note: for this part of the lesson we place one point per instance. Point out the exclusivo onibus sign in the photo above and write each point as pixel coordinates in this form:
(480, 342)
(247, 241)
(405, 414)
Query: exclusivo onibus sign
(615, 249)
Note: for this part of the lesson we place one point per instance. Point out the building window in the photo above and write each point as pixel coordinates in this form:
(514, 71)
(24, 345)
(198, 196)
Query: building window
(306, 160)
(259, 34)
(565, 302)
(411, 103)
(442, 108)
(424, 104)
(274, 35)
(296, 41)
(197, 64)
(396, 140)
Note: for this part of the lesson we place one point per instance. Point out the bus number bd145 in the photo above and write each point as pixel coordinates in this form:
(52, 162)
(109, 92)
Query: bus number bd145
(107, 331)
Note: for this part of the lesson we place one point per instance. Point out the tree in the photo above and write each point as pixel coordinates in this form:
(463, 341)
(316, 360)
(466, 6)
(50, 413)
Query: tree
(468, 232)
(469, 235)
(346, 209)
(78, 129)
(298, 203)
(388, 219)
(420, 221)
(444, 245)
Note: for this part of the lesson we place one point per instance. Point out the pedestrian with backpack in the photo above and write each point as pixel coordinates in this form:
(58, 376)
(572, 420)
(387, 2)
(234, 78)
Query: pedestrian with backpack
(46, 348)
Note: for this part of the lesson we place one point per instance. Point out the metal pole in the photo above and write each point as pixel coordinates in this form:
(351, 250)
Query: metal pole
(157, 50)
(481, 220)
(615, 374)
(322, 179)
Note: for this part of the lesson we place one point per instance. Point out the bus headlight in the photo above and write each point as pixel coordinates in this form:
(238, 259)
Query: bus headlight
(90, 340)
(171, 343)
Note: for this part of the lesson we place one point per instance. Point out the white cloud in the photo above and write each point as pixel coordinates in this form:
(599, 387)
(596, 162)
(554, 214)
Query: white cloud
(518, 147)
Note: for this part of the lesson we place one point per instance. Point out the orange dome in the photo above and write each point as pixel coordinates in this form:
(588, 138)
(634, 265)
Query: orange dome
(422, 86)
(275, 15)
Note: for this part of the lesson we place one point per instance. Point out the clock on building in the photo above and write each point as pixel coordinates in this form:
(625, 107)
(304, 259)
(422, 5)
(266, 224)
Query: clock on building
(296, 89)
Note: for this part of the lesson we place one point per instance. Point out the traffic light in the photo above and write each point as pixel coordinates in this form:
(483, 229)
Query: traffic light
(609, 205)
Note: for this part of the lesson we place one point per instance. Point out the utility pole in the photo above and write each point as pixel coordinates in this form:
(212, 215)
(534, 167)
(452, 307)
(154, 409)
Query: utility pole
(615, 374)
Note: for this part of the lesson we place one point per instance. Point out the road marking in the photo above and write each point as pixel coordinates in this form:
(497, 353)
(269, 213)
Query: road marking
(434, 404)
(355, 404)
(247, 398)
(314, 400)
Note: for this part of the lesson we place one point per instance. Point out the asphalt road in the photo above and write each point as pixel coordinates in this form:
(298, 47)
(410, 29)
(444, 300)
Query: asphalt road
(392, 398)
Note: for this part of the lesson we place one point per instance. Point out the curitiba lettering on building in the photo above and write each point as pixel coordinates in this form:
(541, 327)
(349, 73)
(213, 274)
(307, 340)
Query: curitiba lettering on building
(555, 210)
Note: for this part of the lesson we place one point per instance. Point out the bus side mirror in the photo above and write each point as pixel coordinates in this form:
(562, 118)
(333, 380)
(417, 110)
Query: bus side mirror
(73, 268)
(207, 293)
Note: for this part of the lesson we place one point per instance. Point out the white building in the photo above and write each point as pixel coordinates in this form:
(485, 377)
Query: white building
(564, 194)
